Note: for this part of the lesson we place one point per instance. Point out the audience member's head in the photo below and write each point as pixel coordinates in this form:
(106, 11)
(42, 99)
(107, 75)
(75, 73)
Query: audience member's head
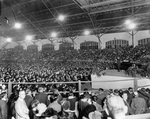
(136, 94)
(95, 115)
(22, 94)
(130, 90)
(116, 107)
(4, 96)
(101, 90)
(28, 92)
(125, 96)
(40, 89)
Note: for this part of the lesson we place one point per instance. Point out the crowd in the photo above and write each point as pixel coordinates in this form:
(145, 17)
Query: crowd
(45, 101)
(136, 54)
(99, 104)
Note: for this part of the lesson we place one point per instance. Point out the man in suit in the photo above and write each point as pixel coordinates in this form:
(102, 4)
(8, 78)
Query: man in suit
(22, 111)
(29, 99)
(118, 64)
(138, 104)
(43, 98)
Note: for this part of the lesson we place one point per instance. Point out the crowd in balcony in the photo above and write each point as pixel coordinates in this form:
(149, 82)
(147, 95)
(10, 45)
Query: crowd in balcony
(110, 54)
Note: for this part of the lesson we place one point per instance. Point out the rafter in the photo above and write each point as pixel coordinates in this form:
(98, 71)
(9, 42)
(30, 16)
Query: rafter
(123, 6)
(29, 1)
(141, 16)
(56, 17)
(35, 26)
(92, 21)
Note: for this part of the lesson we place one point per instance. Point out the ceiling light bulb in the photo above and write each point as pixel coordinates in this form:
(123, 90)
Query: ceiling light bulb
(132, 26)
(127, 22)
(61, 17)
(29, 37)
(86, 32)
(8, 39)
(53, 34)
(17, 25)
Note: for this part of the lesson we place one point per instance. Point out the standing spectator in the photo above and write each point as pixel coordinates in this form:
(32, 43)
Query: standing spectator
(118, 64)
(43, 98)
(101, 96)
(72, 99)
(125, 97)
(29, 99)
(3, 106)
(130, 95)
(21, 108)
(11, 104)
(55, 105)
(138, 104)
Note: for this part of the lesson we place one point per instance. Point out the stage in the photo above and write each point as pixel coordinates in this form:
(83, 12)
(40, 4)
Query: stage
(112, 79)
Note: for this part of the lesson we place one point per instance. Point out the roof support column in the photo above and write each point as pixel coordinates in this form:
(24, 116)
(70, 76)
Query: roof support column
(73, 39)
(99, 35)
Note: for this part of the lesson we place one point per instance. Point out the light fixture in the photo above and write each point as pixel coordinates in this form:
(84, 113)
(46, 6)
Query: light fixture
(8, 39)
(128, 21)
(29, 37)
(86, 32)
(132, 26)
(61, 17)
(53, 34)
(17, 25)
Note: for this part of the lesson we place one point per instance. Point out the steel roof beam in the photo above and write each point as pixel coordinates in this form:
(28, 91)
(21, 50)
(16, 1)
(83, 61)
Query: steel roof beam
(3, 9)
(56, 18)
(46, 10)
(123, 6)
(35, 26)
(138, 15)
(100, 20)
(92, 21)
(103, 3)
(101, 28)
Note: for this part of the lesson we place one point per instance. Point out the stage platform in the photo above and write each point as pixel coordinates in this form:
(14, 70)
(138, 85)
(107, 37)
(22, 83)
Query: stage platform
(111, 72)
(112, 79)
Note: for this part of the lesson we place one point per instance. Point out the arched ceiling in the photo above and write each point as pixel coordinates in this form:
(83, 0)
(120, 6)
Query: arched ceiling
(39, 17)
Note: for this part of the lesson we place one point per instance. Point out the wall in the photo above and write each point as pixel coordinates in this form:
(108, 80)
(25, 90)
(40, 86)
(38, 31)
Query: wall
(106, 37)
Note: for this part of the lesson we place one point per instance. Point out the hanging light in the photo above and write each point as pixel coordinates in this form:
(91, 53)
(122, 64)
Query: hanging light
(8, 39)
(61, 17)
(86, 32)
(53, 34)
(17, 25)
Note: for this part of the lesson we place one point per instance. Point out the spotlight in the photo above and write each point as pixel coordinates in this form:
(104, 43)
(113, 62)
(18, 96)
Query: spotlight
(86, 32)
(61, 17)
(53, 34)
(8, 39)
(29, 37)
(17, 25)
